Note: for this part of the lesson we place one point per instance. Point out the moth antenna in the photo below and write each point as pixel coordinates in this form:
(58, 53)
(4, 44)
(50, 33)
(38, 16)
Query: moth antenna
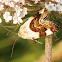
(13, 48)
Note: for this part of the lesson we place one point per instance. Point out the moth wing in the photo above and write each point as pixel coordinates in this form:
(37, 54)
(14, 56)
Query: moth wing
(25, 32)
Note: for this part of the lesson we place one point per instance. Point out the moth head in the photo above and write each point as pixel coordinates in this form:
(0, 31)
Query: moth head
(43, 11)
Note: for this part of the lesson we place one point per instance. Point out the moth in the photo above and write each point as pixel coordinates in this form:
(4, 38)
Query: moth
(36, 26)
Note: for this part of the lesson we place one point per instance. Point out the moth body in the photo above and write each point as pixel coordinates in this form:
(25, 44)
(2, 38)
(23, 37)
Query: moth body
(36, 27)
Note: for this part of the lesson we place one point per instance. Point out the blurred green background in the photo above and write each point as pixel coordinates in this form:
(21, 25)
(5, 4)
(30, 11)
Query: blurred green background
(28, 50)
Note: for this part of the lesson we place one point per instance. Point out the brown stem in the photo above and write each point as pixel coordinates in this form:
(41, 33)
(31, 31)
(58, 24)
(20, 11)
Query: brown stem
(48, 48)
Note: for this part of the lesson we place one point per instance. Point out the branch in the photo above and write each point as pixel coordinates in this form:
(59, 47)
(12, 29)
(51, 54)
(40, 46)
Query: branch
(48, 48)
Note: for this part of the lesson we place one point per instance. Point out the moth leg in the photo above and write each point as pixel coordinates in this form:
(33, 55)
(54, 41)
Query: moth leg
(13, 48)
(36, 40)
(56, 37)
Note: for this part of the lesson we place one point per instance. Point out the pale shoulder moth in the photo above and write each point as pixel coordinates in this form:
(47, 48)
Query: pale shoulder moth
(36, 26)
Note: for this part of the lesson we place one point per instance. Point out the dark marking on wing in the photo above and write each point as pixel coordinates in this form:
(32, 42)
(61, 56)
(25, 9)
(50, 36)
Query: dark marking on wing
(41, 28)
(36, 27)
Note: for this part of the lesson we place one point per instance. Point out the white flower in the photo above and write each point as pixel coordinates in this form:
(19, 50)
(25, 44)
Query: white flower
(53, 7)
(20, 13)
(11, 4)
(0, 0)
(50, 6)
(61, 1)
(7, 16)
(0, 20)
(5, 1)
(23, 12)
(16, 0)
(17, 19)
(58, 7)
(1, 7)
(58, 1)
(17, 8)
(22, 1)
(20, 20)
(36, 1)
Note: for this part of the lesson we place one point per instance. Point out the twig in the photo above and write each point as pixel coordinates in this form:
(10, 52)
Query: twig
(48, 48)
(7, 29)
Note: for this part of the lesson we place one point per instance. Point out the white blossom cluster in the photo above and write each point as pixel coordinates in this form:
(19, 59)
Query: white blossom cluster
(53, 7)
(58, 1)
(19, 12)
(36, 1)
(9, 2)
